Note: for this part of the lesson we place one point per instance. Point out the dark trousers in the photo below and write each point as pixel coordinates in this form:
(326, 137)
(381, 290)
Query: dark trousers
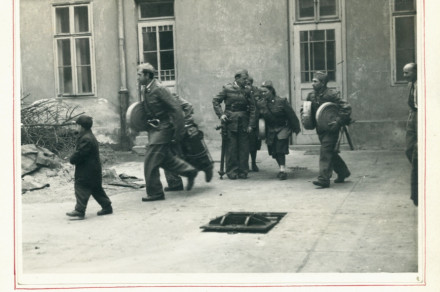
(412, 154)
(329, 159)
(237, 152)
(161, 156)
(83, 192)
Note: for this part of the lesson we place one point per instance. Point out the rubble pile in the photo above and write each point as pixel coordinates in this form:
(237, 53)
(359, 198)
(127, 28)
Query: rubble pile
(40, 169)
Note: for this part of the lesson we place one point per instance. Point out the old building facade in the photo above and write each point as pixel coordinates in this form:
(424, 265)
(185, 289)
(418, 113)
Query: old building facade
(85, 52)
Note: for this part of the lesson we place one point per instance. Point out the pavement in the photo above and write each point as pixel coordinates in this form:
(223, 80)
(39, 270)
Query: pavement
(366, 225)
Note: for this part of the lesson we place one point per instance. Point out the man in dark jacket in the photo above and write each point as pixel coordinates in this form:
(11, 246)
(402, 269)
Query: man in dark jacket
(329, 158)
(165, 129)
(239, 117)
(410, 74)
(88, 172)
(193, 149)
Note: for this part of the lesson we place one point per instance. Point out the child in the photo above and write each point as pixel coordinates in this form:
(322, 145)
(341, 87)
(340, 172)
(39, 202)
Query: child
(88, 172)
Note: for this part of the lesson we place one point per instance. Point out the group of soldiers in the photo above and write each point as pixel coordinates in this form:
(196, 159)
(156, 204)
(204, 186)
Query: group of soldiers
(176, 144)
(246, 104)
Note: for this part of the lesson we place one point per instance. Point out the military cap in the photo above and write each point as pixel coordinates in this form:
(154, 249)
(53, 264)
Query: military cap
(267, 83)
(147, 67)
(85, 121)
(321, 76)
(241, 72)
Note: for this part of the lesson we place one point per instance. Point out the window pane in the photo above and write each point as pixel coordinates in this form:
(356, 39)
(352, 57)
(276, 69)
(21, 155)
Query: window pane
(83, 66)
(318, 56)
(304, 36)
(330, 34)
(405, 44)
(62, 20)
(81, 19)
(82, 51)
(317, 35)
(149, 39)
(306, 8)
(166, 40)
(64, 67)
(157, 9)
(327, 7)
(305, 57)
(151, 58)
(167, 60)
(64, 54)
(404, 5)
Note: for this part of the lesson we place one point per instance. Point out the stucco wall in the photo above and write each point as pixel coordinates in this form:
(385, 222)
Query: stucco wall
(37, 62)
(215, 38)
(378, 106)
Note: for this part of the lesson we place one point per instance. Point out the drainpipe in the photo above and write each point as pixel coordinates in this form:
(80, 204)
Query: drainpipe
(123, 91)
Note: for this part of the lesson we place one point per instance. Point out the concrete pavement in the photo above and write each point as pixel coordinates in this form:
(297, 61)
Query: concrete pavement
(366, 225)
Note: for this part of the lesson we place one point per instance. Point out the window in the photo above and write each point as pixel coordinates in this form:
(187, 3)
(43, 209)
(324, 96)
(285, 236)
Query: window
(316, 10)
(317, 49)
(73, 50)
(156, 38)
(404, 36)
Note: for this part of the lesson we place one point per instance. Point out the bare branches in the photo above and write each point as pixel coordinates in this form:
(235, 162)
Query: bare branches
(48, 123)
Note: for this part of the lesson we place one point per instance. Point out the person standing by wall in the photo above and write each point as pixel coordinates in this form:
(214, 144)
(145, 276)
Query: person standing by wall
(410, 74)
(88, 171)
(165, 123)
(329, 158)
(239, 117)
(280, 121)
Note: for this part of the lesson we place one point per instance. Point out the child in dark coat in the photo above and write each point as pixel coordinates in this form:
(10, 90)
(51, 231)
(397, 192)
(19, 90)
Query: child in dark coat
(88, 171)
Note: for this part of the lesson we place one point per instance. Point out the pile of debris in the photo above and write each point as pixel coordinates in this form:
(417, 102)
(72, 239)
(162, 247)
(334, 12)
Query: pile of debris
(41, 168)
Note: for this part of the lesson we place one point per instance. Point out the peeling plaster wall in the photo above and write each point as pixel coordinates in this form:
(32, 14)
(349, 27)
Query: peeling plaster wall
(215, 38)
(379, 107)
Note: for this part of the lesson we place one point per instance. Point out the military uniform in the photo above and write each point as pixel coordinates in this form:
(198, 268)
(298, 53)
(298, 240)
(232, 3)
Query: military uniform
(329, 159)
(165, 125)
(240, 110)
(411, 141)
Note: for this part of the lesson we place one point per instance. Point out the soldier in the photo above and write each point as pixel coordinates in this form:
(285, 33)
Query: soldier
(329, 158)
(88, 171)
(280, 121)
(194, 150)
(165, 125)
(254, 140)
(410, 74)
(239, 118)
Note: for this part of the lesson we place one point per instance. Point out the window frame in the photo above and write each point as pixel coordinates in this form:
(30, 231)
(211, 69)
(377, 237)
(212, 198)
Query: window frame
(72, 36)
(317, 18)
(157, 21)
(395, 15)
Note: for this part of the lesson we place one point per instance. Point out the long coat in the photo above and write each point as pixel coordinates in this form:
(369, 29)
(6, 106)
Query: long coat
(160, 104)
(86, 159)
(280, 118)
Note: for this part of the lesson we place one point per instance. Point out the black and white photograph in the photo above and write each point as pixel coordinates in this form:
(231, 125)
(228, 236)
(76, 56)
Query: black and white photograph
(222, 144)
